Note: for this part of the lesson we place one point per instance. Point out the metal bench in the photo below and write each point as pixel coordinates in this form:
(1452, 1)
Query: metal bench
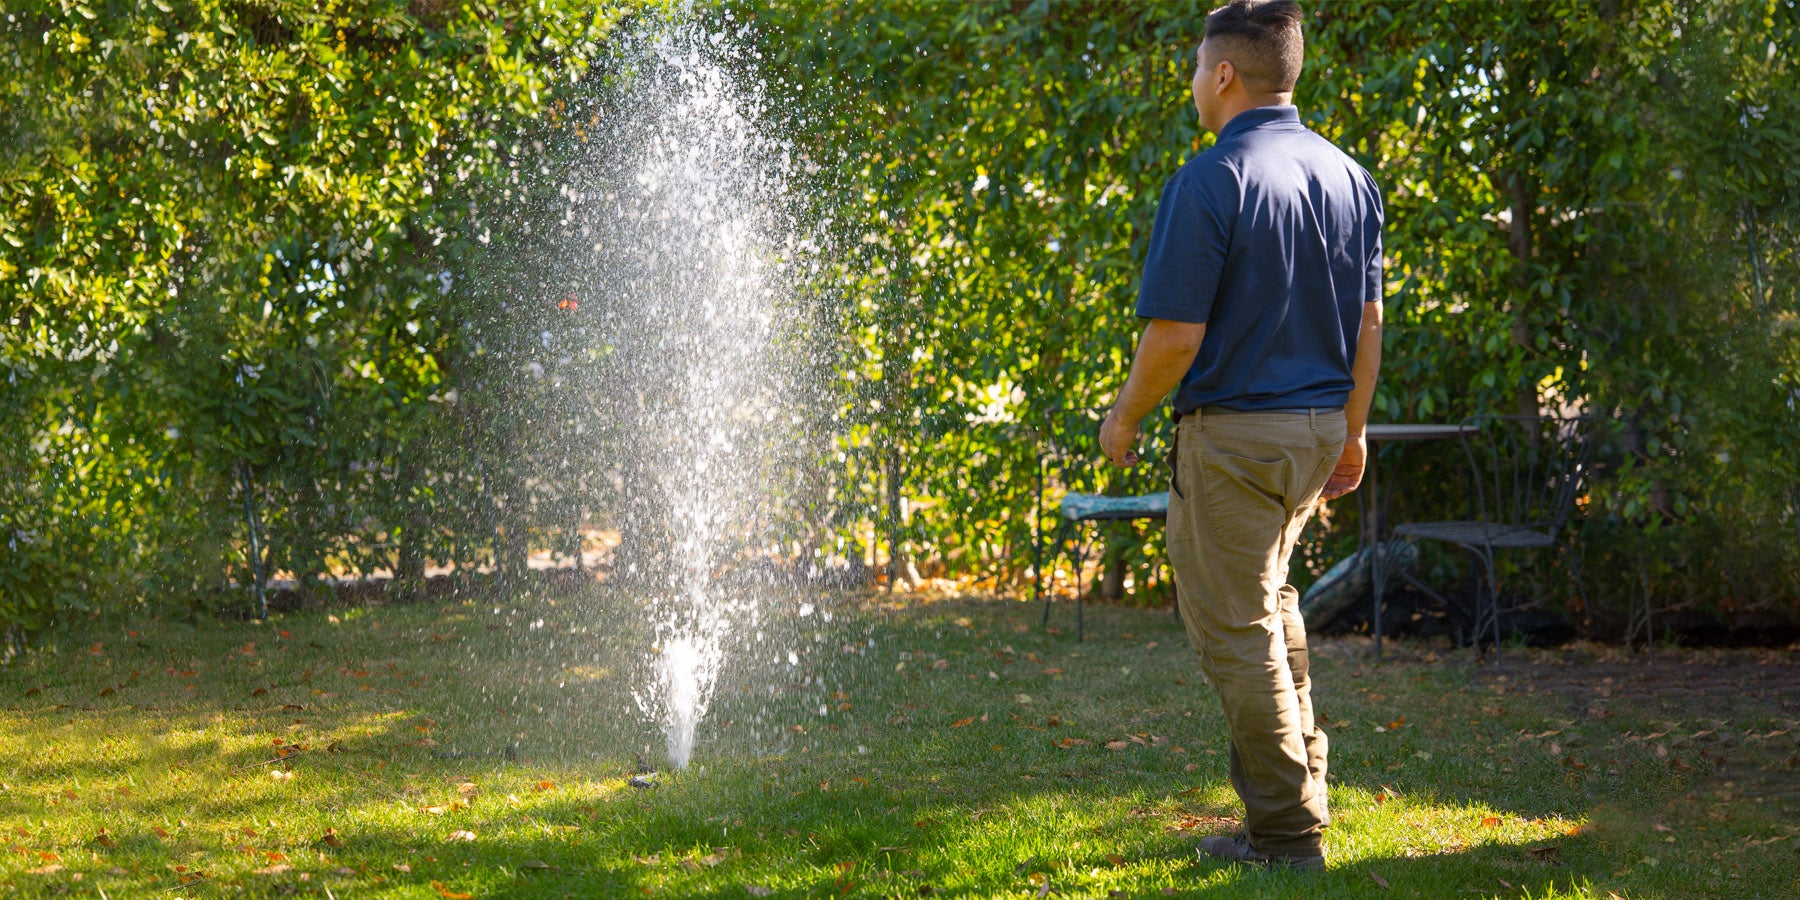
(1085, 465)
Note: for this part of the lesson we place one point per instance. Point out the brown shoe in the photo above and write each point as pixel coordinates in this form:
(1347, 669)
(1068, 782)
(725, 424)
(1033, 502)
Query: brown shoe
(1236, 848)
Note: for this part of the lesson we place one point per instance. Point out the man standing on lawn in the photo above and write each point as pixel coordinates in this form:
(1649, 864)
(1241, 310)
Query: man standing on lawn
(1263, 290)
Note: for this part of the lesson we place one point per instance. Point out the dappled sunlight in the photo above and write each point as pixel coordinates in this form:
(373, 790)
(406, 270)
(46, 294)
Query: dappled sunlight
(963, 750)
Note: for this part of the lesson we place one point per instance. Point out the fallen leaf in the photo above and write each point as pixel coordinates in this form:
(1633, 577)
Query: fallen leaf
(1490, 822)
(1548, 854)
(1053, 671)
(106, 840)
(534, 864)
(50, 869)
(961, 722)
(1115, 859)
(461, 835)
(275, 869)
(449, 894)
(542, 786)
(1582, 828)
(275, 856)
(1379, 880)
(279, 775)
(1070, 742)
(331, 839)
(159, 831)
(1117, 745)
(403, 868)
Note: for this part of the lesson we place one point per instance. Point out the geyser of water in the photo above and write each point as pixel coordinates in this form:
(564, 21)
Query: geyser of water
(681, 227)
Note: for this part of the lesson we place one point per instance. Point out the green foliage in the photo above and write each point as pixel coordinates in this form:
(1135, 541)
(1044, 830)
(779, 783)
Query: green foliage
(231, 234)
(271, 251)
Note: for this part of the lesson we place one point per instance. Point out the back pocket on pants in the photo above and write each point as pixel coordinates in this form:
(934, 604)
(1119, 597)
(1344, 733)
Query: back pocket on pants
(1245, 497)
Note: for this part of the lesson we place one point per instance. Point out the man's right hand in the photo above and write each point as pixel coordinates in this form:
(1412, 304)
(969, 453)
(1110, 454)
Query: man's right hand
(1349, 471)
(1118, 440)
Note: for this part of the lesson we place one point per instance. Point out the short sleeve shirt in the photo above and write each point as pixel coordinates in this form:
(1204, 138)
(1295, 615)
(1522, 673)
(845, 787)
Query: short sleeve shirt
(1273, 239)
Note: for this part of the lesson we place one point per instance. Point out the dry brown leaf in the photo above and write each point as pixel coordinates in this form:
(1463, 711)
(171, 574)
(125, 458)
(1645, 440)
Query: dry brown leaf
(461, 835)
(1115, 859)
(1379, 880)
(403, 868)
(961, 722)
(50, 869)
(1117, 745)
(449, 894)
(106, 840)
(331, 839)
(275, 869)
(1490, 822)
(1070, 742)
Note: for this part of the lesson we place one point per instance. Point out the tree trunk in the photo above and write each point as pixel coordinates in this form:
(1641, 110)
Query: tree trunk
(898, 566)
(1519, 196)
(1112, 582)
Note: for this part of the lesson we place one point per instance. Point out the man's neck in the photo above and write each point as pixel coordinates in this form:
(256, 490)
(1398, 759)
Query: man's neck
(1246, 102)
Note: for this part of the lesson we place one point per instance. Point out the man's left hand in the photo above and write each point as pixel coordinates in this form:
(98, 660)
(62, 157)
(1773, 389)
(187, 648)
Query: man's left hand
(1349, 471)
(1118, 440)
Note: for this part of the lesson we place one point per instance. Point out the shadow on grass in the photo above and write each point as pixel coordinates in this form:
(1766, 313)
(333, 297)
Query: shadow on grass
(953, 746)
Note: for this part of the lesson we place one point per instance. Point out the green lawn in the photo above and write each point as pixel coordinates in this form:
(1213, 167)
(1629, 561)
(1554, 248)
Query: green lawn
(962, 751)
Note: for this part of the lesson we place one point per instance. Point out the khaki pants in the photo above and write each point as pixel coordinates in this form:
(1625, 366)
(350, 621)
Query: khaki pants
(1243, 487)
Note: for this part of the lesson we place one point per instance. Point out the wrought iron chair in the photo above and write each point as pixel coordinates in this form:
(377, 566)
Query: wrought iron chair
(1083, 467)
(1526, 472)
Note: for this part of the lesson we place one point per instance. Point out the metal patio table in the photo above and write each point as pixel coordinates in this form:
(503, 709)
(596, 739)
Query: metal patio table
(1370, 505)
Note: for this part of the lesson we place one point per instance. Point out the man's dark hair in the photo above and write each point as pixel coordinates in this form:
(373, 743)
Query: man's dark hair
(1262, 40)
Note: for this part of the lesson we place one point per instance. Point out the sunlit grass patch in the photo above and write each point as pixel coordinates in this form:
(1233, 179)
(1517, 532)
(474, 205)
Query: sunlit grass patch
(949, 748)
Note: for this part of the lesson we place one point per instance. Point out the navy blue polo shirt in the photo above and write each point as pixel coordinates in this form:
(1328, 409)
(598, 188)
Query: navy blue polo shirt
(1273, 239)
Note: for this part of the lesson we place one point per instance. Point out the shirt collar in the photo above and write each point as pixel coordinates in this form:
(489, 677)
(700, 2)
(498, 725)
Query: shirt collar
(1256, 118)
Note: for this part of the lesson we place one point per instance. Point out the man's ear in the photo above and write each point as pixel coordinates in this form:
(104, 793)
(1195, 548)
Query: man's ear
(1223, 74)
